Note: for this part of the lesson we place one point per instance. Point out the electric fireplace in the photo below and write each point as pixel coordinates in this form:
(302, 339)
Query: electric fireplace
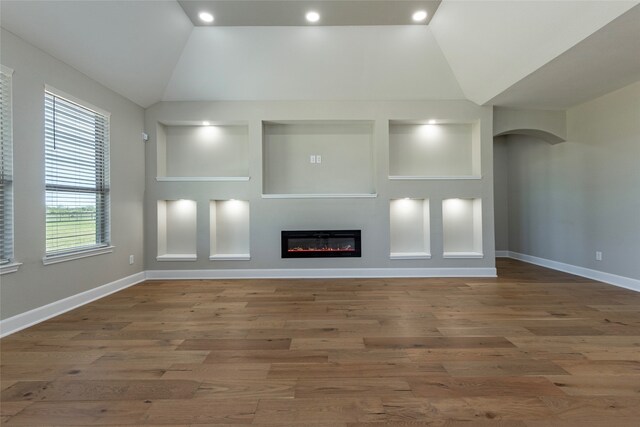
(320, 244)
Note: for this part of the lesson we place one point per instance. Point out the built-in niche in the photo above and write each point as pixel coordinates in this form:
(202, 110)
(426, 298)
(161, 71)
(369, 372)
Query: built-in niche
(462, 228)
(177, 230)
(434, 150)
(229, 230)
(318, 159)
(203, 152)
(409, 229)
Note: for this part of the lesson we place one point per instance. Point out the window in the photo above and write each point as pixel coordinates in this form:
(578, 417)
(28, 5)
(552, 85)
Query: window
(6, 169)
(76, 175)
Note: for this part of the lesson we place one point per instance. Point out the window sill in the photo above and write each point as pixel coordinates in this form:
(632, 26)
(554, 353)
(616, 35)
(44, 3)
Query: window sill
(55, 259)
(9, 268)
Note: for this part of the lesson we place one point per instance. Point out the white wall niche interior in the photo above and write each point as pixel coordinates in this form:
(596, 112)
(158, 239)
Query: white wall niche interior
(229, 230)
(177, 230)
(196, 152)
(462, 228)
(434, 149)
(344, 148)
(409, 229)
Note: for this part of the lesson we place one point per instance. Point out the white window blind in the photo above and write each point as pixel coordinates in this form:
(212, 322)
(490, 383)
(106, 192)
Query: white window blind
(77, 176)
(6, 170)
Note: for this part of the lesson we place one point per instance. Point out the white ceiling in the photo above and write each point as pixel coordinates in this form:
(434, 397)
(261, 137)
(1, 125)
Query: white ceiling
(574, 77)
(512, 52)
(491, 45)
(297, 63)
(129, 46)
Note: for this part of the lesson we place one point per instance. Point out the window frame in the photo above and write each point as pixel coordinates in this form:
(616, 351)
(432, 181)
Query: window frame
(7, 249)
(104, 246)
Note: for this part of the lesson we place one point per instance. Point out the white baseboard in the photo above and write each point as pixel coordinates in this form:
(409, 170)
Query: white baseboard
(502, 254)
(24, 320)
(601, 276)
(320, 273)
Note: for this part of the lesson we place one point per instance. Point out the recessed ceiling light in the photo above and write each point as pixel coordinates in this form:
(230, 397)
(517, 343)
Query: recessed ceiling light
(206, 17)
(312, 16)
(419, 16)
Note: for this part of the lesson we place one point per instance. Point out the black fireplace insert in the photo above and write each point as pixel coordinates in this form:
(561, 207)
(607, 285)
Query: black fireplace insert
(320, 244)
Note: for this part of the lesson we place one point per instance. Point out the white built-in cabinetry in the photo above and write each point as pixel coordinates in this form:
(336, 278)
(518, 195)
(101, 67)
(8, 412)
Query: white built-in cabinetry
(442, 150)
(189, 152)
(312, 159)
(409, 229)
(229, 230)
(177, 231)
(462, 228)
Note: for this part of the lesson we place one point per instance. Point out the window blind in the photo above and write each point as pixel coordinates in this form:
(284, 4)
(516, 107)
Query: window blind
(76, 175)
(6, 170)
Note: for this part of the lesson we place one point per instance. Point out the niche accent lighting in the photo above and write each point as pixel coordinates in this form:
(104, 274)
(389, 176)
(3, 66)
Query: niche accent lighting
(206, 17)
(419, 16)
(312, 16)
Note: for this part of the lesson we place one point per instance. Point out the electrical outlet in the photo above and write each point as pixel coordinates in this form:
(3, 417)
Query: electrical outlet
(131, 259)
(598, 256)
(318, 158)
(312, 158)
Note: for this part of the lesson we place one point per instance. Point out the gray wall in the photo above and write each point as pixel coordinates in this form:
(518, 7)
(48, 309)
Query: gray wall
(35, 284)
(269, 216)
(500, 192)
(569, 200)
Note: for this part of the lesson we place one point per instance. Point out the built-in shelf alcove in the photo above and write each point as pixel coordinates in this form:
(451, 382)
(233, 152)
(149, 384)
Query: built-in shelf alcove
(318, 158)
(177, 227)
(462, 228)
(196, 152)
(229, 230)
(434, 150)
(409, 229)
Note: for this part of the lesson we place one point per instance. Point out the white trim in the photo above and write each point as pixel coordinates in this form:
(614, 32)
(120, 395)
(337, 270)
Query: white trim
(40, 314)
(409, 255)
(82, 103)
(462, 255)
(55, 259)
(601, 276)
(502, 254)
(177, 257)
(202, 178)
(427, 178)
(320, 273)
(230, 257)
(6, 70)
(320, 196)
(9, 268)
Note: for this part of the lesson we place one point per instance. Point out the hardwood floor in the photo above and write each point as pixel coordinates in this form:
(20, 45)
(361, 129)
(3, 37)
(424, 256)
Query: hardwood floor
(532, 348)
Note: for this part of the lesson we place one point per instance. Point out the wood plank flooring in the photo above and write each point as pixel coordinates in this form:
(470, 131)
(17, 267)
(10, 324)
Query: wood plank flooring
(533, 348)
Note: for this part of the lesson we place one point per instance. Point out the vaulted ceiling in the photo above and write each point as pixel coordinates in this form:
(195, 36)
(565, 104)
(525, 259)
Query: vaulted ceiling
(539, 54)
